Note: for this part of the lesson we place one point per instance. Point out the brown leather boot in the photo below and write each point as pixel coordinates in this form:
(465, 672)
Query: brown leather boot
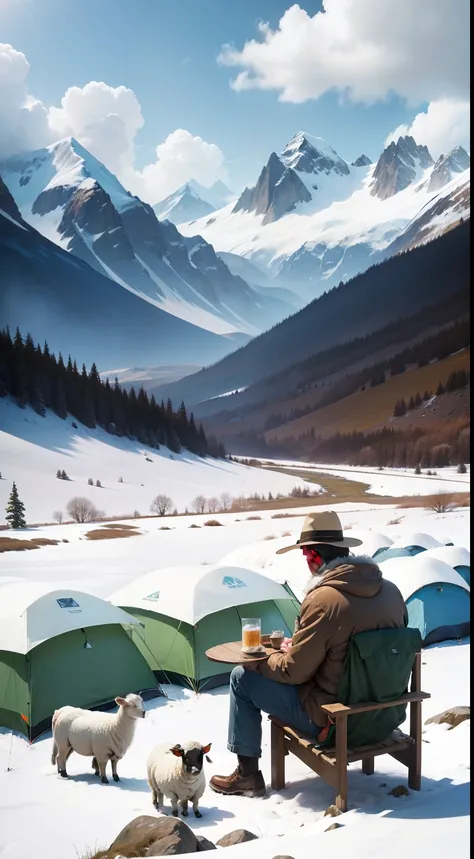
(246, 780)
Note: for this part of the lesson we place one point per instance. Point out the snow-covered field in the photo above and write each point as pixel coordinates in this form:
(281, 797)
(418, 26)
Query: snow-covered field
(83, 814)
(33, 448)
(395, 482)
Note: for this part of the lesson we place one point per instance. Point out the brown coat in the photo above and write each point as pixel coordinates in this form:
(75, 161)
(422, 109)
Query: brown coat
(351, 597)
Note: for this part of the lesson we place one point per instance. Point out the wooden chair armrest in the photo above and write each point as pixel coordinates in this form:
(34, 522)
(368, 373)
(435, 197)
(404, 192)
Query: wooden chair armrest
(352, 709)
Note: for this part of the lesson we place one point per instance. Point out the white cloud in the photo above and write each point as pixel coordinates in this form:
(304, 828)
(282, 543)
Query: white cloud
(364, 49)
(180, 158)
(105, 120)
(23, 119)
(444, 124)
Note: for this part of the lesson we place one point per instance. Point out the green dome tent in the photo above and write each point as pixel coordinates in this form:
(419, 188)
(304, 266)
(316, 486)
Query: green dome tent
(62, 647)
(183, 611)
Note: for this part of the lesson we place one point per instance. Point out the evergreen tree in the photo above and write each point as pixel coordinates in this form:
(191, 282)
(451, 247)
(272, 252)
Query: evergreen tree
(15, 515)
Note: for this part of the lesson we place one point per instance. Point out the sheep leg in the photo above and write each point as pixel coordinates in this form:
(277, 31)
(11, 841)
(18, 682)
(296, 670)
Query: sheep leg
(102, 768)
(95, 766)
(54, 753)
(184, 807)
(195, 801)
(174, 804)
(63, 754)
(114, 762)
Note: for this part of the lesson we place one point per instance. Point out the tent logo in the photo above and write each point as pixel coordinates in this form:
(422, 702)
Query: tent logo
(231, 582)
(67, 602)
(154, 597)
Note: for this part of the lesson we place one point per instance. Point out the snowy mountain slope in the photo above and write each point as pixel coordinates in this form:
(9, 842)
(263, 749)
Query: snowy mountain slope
(72, 199)
(185, 204)
(61, 299)
(350, 217)
(34, 448)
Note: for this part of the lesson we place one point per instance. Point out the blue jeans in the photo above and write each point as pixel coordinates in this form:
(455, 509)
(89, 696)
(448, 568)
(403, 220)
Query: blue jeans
(250, 693)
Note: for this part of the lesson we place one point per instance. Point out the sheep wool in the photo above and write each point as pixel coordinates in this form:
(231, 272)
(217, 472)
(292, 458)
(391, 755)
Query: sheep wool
(103, 736)
(168, 777)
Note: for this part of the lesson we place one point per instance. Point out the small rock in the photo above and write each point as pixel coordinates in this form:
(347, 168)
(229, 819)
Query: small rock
(332, 811)
(204, 844)
(453, 717)
(334, 826)
(399, 790)
(237, 836)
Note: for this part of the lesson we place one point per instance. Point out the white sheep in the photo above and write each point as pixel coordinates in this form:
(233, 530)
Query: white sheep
(178, 773)
(102, 736)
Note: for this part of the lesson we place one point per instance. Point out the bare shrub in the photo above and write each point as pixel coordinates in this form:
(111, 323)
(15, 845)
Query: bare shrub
(394, 521)
(90, 481)
(161, 505)
(286, 534)
(58, 516)
(442, 502)
(270, 537)
(252, 518)
(194, 526)
(199, 504)
(225, 501)
(212, 505)
(83, 510)
(212, 522)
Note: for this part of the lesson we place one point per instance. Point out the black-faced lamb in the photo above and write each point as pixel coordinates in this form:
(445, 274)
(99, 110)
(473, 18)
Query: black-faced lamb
(102, 736)
(178, 773)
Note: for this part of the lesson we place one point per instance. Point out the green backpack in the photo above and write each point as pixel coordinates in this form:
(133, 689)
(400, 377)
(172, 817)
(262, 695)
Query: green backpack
(377, 669)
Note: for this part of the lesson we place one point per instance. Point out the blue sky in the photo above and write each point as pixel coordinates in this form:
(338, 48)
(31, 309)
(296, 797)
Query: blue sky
(166, 52)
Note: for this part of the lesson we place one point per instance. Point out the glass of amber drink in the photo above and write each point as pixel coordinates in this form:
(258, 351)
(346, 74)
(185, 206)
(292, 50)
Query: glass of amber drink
(251, 634)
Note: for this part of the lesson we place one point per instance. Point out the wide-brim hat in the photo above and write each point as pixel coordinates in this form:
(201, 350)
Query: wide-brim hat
(322, 528)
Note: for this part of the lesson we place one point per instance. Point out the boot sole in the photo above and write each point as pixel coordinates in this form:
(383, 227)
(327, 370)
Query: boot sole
(251, 794)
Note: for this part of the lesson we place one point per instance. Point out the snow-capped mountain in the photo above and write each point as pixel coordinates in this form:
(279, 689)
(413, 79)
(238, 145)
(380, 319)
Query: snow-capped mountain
(185, 204)
(71, 198)
(59, 298)
(305, 169)
(313, 219)
(447, 166)
(400, 164)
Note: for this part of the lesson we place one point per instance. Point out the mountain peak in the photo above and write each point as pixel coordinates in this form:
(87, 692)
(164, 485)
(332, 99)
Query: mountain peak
(308, 154)
(447, 166)
(401, 163)
(362, 161)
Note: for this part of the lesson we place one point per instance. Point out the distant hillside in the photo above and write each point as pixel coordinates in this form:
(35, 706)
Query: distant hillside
(404, 284)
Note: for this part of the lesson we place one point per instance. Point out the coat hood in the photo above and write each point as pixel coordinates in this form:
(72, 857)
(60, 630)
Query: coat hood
(359, 576)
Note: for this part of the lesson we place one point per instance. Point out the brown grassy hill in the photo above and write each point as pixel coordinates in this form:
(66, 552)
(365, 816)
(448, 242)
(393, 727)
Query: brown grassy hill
(373, 407)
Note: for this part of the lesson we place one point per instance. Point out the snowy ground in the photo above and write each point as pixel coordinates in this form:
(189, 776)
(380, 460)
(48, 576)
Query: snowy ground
(395, 482)
(83, 814)
(32, 449)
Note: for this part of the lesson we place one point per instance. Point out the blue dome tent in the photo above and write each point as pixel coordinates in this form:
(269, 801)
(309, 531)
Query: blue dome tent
(386, 554)
(436, 596)
(415, 542)
(457, 557)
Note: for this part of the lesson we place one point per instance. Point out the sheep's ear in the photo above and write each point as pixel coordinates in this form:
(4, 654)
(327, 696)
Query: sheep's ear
(122, 702)
(177, 751)
(207, 748)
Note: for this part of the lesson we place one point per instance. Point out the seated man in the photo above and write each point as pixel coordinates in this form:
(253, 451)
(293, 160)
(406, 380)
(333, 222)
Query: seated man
(346, 595)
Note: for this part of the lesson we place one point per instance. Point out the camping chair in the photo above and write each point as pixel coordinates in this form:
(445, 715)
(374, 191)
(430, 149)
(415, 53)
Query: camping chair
(373, 693)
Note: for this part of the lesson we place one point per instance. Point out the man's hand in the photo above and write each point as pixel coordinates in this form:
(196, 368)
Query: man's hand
(286, 645)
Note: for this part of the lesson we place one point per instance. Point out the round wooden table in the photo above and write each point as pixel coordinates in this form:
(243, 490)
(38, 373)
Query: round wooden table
(231, 653)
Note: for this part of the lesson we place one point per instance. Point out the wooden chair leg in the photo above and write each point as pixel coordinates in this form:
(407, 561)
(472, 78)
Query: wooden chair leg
(416, 725)
(278, 752)
(341, 762)
(368, 766)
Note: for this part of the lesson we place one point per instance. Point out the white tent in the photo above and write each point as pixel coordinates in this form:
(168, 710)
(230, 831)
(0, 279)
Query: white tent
(411, 574)
(372, 542)
(34, 612)
(189, 594)
(415, 538)
(455, 556)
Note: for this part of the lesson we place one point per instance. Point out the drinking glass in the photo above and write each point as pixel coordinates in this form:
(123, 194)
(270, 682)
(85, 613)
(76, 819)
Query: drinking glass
(251, 634)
